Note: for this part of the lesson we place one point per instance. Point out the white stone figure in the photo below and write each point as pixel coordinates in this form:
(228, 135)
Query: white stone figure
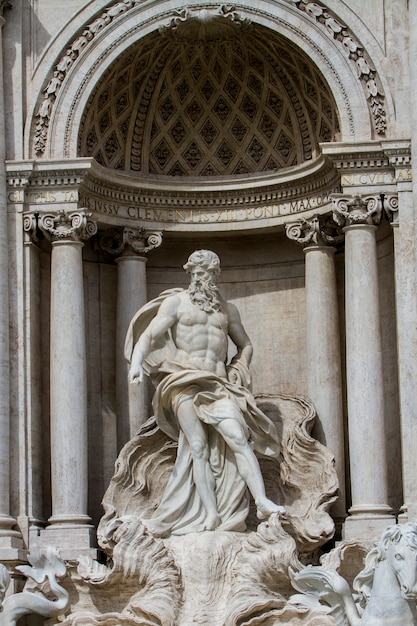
(181, 340)
(45, 565)
(386, 589)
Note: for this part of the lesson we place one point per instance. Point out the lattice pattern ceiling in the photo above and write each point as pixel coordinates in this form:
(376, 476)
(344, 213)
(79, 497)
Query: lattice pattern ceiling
(209, 109)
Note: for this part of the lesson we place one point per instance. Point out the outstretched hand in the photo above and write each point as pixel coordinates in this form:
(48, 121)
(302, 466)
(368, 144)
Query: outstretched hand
(136, 375)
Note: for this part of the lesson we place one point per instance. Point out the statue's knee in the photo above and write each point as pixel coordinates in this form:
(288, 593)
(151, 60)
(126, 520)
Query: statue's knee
(199, 449)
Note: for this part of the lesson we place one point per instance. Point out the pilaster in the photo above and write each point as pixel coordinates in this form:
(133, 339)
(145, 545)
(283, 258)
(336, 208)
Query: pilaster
(369, 513)
(130, 247)
(319, 236)
(10, 538)
(400, 211)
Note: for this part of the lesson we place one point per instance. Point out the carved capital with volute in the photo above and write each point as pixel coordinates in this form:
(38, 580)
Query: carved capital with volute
(320, 230)
(63, 226)
(127, 241)
(357, 210)
(390, 203)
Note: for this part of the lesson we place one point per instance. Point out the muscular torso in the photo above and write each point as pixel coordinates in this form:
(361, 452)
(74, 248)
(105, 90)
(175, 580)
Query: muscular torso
(200, 337)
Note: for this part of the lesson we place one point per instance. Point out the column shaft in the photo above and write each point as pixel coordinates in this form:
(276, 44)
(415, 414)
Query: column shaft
(324, 379)
(68, 386)
(364, 380)
(131, 296)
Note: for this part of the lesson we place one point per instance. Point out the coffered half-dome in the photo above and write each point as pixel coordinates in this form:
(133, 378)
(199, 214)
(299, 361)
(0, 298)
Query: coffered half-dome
(226, 102)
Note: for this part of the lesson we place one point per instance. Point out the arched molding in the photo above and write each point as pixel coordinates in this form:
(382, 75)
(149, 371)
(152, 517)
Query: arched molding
(97, 57)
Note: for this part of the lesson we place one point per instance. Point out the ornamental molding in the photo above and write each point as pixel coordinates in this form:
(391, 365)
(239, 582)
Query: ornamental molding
(118, 242)
(322, 178)
(357, 210)
(319, 230)
(223, 19)
(209, 24)
(356, 53)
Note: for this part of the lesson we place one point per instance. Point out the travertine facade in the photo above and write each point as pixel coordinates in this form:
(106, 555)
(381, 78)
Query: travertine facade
(280, 135)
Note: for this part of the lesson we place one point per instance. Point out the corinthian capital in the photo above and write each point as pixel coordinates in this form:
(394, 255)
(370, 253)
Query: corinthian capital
(351, 210)
(320, 230)
(124, 241)
(61, 225)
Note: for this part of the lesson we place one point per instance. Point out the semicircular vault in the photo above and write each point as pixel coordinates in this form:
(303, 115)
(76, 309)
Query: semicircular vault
(195, 105)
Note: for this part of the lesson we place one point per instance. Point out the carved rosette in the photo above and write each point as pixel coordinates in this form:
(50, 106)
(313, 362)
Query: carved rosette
(59, 226)
(320, 230)
(355, 210)
(118, 241)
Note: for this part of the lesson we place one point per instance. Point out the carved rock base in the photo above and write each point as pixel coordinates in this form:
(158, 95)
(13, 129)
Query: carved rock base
(210, 578)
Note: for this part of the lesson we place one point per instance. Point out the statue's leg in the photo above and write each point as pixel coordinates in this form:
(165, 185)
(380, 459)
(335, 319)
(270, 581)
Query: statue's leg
(248, 466)
(196, 436)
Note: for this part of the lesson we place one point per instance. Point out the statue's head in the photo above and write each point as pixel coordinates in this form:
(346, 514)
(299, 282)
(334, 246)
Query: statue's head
(205, 259)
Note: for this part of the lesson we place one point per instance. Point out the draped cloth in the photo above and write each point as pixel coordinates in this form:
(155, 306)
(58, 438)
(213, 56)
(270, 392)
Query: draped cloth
(214, 399)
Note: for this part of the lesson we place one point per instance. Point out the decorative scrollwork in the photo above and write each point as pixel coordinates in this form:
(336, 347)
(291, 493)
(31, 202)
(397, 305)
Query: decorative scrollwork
(74, 50)
(390, 204)
(116, 241)
(348, 211)
(30, 225)
(356, 53)
(63, 225)
(206, 24)
(320, 230)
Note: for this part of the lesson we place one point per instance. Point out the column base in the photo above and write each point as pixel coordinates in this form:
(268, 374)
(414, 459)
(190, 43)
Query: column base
(11, 540)
(72, 538)
(408, 513)
(367, 523)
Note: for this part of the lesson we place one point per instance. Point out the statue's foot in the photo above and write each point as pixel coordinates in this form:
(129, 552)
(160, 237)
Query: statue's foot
(212, 522)
(266, 507)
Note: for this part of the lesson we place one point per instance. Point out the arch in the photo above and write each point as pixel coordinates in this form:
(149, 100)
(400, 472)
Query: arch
(137, 21)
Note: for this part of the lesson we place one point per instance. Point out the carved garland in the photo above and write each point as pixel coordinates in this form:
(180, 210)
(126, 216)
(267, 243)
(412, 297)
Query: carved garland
(356, 53)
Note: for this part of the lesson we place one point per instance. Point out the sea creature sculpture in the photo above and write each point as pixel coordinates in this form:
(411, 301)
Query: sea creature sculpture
(46, 565)
(386, 588)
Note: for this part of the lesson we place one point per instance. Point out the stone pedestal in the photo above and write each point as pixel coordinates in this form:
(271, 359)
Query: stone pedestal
(369, 513)
(70, 523)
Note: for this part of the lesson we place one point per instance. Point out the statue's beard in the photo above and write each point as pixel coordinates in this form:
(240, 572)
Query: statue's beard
(204, 294)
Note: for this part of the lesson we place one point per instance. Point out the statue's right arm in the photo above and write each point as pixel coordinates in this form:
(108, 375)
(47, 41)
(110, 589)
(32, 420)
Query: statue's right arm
(163, 321)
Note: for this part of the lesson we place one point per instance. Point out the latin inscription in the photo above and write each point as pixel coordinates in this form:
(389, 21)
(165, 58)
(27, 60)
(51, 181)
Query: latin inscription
(375, 178)
(204, 216)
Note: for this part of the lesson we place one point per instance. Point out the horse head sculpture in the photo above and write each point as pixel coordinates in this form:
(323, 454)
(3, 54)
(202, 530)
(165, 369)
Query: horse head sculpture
(386, 587)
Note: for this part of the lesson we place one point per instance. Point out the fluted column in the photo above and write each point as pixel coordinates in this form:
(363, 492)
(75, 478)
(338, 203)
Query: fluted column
(318, 236)
(69, 472)
(130, 247)
(369, 512)
(9, 537)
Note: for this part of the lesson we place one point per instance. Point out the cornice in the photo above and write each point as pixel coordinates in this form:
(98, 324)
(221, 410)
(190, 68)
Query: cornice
(317, 176)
